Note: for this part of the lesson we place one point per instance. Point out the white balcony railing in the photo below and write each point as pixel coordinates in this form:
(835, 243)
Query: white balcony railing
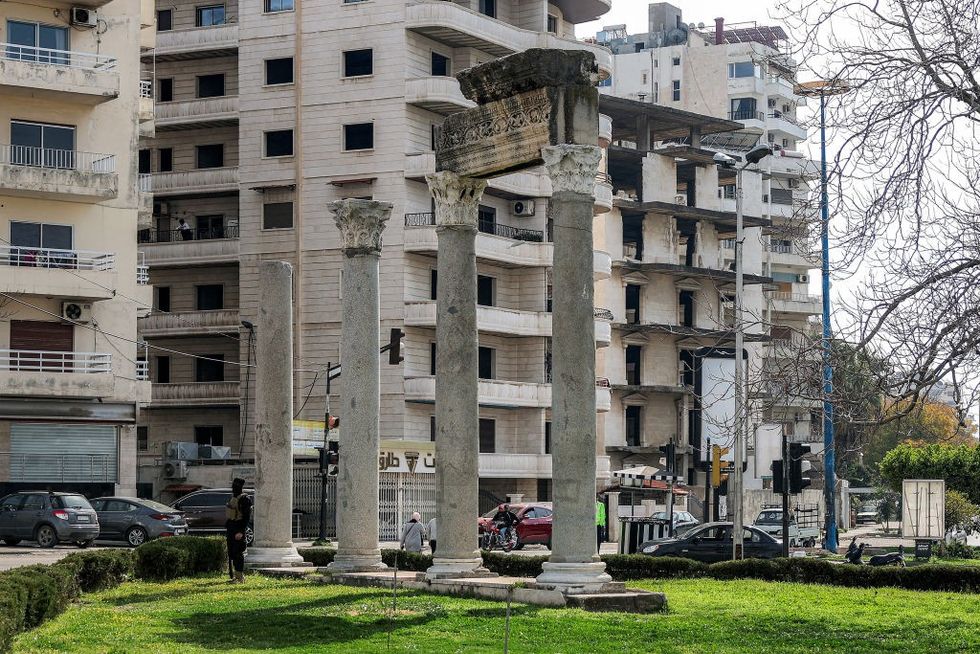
(198, 109)
(797, 297)
(41, 361)
(198, 180)
(142, 274)
(29, 155)
(14, 255)
(780, 248)
(145, 182)
(146, 88)
(48, 56)
(142, 369)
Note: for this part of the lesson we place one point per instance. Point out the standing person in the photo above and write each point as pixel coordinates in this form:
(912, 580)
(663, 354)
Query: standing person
(185, 229)
(600, 522)
(238, 513)
(430, 530)
(412, 534)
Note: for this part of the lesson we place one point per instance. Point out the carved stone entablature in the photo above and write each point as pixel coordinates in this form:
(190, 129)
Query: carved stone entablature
(457, 198)
(572, 168)
(361, 223)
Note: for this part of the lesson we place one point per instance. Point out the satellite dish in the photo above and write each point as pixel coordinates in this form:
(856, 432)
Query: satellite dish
(700, 26)
(676, 36)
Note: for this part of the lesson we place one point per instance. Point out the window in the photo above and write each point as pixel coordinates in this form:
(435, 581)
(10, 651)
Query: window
(42, 144)
(358, 63)
(488, 8)
(432, 359)
(38, 235)
(484, 290)
(634, 426)
(633, 353)
(633, 294)
(142, 438)
(441, 66)
(163, 370)
(676, 61)
(279, 143)
(272, 6)
(544, 490)
(433, 283)
(165, 89)
(34, 35)
(211, 156)
(279, 71)
(359, 136)
(144, 162)
(209, 369)
(277, 215)
(209, 434)
(211, 86)
(486, 363)
(552, 23)
(163, 298)
(676, 90)
(13, 502)
(211, 15)
(547, 437)
(166, 159)
(488, 435)
(210, 226)
(165, 20)
(432, 428)
(33, 502)
(210, 297)
(486, 219)
(741, 69)
(643, 78)
(743, 108)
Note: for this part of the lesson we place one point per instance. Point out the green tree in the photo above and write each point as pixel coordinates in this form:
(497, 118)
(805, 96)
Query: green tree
(929, 423)
(958, 465)
(959, 509)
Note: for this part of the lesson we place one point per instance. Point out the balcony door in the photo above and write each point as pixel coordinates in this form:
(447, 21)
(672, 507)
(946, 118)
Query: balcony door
(46, 44)
(32, 339)
(32, 245)
(42, 144)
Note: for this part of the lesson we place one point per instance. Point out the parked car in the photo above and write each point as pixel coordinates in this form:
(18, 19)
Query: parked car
(683, 521)
(712, 542)
(204, 511)
(804, 533)
(534, 526)
(48, 518)
(137, 521)
(868, 513)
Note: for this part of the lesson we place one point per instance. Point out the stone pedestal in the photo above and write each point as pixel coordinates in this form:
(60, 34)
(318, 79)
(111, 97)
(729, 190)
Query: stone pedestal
(361, 223)
(457, 202)
(574, 565)
(273, 510)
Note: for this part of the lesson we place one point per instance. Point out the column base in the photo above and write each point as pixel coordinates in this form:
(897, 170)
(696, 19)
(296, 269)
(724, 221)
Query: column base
(457, 569)
(574, 578)
(357, 563)
(273, 557)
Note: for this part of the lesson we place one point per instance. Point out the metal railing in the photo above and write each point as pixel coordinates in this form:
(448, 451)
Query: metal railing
(422, 219)
(176, 235)
(795, 297)
(747, 114)
(29, 155)
(727, 244)
(144, 182)
(43, 361)
(59, 467)
(506, 231)
(146, 88)
(15, 255)
(780, 248)
(782, 116)
(142, 274)
(67, 58)
(602, 382)
(142, 369)
(603, 314)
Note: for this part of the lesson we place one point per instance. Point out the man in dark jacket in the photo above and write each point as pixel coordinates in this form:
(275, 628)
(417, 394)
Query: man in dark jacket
(506, 520)
(238, 514)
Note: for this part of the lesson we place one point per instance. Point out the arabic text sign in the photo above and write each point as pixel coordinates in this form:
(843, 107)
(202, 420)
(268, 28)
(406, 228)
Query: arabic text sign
(308, 435)
(414, 457)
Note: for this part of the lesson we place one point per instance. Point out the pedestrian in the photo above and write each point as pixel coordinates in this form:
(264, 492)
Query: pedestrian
(238, 514)
(412, 534)
(600, 522)
(185, 229)
(430, 531)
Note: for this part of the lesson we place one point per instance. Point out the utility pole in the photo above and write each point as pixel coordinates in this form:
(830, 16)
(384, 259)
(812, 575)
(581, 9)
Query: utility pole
(737, 507)
(324, 465)
(785, 475)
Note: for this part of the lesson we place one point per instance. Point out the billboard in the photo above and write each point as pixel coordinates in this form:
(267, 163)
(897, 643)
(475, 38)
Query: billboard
(714, 385)
(924, 508)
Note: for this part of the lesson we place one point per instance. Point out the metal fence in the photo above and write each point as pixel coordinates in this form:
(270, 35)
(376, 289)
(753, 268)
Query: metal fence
(516, 233)
(36, 157)
(175, 235)
(306, 502)
(401, 494)
(44, 361)
(70, 59)
(16, 255)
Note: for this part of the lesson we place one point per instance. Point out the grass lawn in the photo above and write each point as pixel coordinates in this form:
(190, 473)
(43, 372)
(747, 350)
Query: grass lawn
(206, 615)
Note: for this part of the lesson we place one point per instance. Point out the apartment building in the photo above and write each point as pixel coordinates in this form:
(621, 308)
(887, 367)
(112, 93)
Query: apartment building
(742, 73)
(268, 110)
(71, 283)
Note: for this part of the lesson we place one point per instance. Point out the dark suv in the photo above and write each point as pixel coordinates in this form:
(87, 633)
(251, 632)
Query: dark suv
(48, 518)
(204, 510)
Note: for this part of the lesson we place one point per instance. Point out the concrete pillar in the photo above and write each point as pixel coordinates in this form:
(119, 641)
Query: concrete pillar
(612, 517)
(574, 565)
(457, 202)
(128, 461)
(361, 223)
(273, 509)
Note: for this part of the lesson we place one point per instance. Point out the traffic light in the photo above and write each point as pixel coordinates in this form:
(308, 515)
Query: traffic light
(797, 466)
(333, 422)
(395, 346)
(777, 477)
(668, 454)
(717, 452)
(330, 457)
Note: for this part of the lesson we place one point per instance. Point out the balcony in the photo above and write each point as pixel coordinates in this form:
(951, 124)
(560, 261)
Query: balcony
(493, 320)
(792, 164)
(56, 374)
(523, 466)
(496, 393)
(460, 27)
(77, 274)
(782, 254)
(603, 326)
(420, 237)
(190, 323)
(144, 192)
(146, 110)
(194, 114)
(195, 394)
(601, 265)
(787, 124)
(58, 74)
(438, 94)
(197, 42)
(582, 11)
(202, 181)
(796, 303)
(605, 130)
(603, 194)
(58, 174)
(169, 249)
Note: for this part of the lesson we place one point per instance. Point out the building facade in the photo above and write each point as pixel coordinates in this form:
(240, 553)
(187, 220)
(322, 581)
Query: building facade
(72, 375)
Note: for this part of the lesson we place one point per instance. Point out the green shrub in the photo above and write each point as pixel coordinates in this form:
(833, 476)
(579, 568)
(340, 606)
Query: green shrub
(320, 557)
(180, 556)
(31, 595)
(100, 569)
(407, 560)
(623, 567)
(509, 565)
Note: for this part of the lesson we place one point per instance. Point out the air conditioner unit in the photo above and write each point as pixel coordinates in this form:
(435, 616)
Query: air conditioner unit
(524, 208)
(681, 199)
(803, 279)
(175, 469)
(82, 17)
(213, 452)
(161, 208)
(76, 311)
(182, 451)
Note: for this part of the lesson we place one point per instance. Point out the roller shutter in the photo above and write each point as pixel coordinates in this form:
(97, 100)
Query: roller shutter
(50, 452)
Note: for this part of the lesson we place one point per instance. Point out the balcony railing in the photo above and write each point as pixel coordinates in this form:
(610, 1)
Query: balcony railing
(29, 155)
(424, 219)
(176, 235)
(603, 314)
(142, 274)
(145, 183)
(142, 369)
(516, 233)
(727, 244)
(42, 361)
(146, 88)
(14, 255)
(747, 114)
(796, 297)
(67, 58)
(780, 248)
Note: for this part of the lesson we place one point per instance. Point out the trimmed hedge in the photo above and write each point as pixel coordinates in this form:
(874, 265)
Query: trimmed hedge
(180, 556)
(101, 569)
(31, 595)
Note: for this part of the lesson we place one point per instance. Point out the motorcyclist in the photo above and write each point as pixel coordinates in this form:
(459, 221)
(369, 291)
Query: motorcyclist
(505, 520)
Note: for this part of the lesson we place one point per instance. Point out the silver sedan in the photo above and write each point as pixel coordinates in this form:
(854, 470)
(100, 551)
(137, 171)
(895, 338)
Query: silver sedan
(136, 521)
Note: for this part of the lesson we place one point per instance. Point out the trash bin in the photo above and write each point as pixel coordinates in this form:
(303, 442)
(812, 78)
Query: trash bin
(635, 531)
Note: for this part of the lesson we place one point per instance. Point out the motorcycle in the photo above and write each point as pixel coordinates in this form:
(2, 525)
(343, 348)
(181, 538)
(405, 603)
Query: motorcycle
(855, 552)
(492, 539)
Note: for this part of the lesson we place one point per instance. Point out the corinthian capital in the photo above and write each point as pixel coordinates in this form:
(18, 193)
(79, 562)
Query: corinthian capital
(360, 223)
(457, 198)
(572, 168)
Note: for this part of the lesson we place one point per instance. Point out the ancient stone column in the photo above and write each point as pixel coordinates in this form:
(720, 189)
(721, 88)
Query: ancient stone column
(361, 223)
(273, 511)
(457, 202)
(574, 565)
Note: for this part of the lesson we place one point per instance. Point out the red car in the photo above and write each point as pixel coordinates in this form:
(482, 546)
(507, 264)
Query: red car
(534, 526)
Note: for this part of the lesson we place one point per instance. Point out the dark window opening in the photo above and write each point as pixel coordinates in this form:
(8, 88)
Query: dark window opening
(166, 160)
(633, 294)
(210, 369)
(486, 363)
(488, 436)
(211, 86)
(547, 437)
(544, 490)
(486, 219)
(488, 8)
(209, 435)
(743, 109)
(634, 426)
(440, 65)
(433, 283)
(142, 438)
(279, 143)
(432, 428)
(165, 20)
(633, 354)
(432, 359)
(359, 136)
(163, 298)
(144, 162)
(279, 71)
(165, 89)
(277, 215)
(210, 297)
(210, 226)
(163, 370)
(484, 290)
(358, 63)
(272, 6)
(552, 23)
(687, 308)
(211, 156)
(211, 15)
(676, 96)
